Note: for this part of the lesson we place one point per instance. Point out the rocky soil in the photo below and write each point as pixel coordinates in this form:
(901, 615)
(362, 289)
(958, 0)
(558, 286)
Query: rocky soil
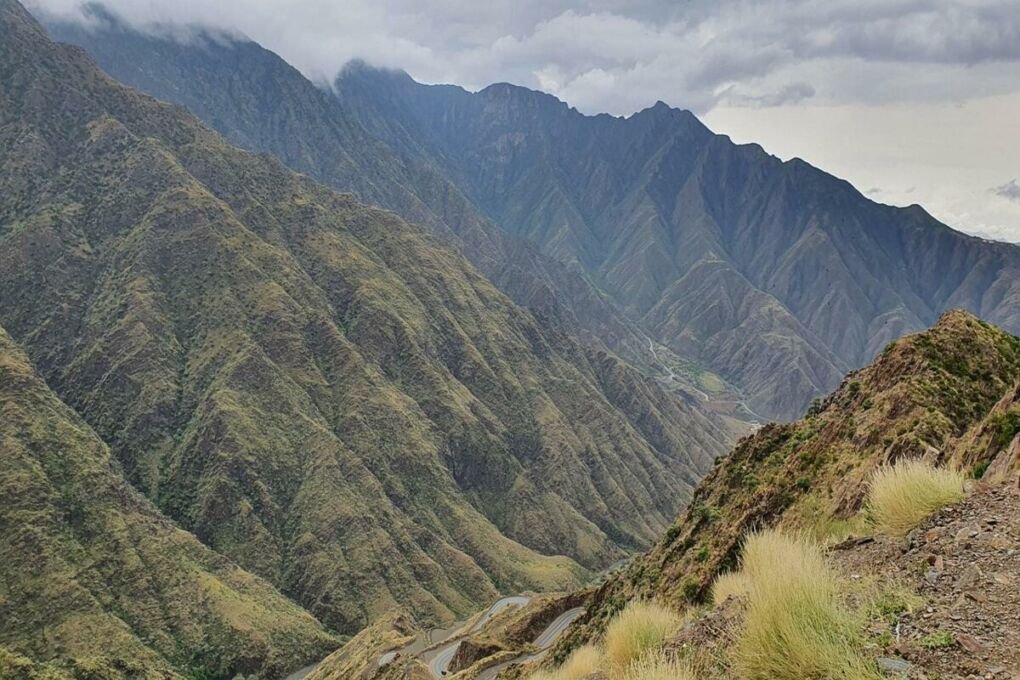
(965, 564)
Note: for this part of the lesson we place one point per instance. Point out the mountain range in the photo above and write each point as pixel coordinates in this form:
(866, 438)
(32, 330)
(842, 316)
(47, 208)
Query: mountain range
(278, 358)
(772, 275)
(318, 391)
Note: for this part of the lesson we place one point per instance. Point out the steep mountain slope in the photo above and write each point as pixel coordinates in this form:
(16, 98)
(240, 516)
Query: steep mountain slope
(929, 395)
(940, 601)
(261, 103)
(313, 387)
(775, 274)
(94, 579)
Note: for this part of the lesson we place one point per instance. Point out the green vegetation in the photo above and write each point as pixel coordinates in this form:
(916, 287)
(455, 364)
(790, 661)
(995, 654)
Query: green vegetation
(630, 649)
(657, 667)
(940, 639)
(97, 584)
(902, 495)
(312, 387)
(1005, 427)
(796, 624)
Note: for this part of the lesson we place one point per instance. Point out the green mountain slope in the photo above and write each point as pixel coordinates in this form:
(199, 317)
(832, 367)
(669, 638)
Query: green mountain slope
(940, 395)
(774, 274)
(95, 580)
(313, 387)
(261, 103)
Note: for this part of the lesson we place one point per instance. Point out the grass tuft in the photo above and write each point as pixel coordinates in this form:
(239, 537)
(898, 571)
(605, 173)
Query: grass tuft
(581, 663)
(658, 667)
(940, 639)
(640, 628)
(796, 625)
(902, 495)
(727, 584)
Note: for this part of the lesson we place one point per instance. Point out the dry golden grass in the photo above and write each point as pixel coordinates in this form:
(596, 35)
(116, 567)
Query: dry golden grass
(902, 495)
(641, 627)
(582, 663)
(796, 625)
(659, 667)
(729, 583)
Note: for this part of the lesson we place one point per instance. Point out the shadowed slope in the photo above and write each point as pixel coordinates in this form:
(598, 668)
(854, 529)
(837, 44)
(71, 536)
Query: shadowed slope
(774, 274)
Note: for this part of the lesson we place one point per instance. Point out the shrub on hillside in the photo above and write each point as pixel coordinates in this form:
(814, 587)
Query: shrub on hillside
(726, 584)
(640, 628)
(659, 667)
(796, 625)
(902, 495)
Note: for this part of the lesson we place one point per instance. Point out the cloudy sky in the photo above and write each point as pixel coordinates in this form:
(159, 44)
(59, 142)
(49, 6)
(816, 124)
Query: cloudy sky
(914, 101)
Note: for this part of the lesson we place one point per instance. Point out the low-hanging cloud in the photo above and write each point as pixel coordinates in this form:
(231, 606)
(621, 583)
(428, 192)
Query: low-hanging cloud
(608, 55)
(1010, 191)
(828, 74)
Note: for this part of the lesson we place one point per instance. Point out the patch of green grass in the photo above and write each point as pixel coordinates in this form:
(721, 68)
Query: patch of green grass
(940, 639)
(1005, 426)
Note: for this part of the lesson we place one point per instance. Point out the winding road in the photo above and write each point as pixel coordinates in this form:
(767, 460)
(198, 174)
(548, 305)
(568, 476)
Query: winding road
(687, 385)
(544, 641)
(439, 661)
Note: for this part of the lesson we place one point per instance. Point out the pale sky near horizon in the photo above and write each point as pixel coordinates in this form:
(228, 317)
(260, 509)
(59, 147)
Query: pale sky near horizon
(913, 101)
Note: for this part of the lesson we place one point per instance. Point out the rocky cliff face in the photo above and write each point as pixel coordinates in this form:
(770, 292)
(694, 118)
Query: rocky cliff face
(315, 388)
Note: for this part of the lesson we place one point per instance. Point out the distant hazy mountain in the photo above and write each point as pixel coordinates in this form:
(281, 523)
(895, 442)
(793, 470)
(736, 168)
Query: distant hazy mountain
(774, 273)
(316, 389)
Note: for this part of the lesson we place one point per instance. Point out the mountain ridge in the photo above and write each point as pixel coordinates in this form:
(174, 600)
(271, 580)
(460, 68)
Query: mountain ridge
(310, 385)
(261, 103)
(681, 196)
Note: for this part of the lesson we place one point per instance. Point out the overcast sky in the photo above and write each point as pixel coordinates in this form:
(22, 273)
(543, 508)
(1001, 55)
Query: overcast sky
(914, 101)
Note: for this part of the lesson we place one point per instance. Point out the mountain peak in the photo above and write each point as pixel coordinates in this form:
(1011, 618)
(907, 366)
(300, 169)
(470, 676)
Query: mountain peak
(360, 67)
(16, 21)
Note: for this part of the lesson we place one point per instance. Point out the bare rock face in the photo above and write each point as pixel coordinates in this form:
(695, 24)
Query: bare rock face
(472, 650)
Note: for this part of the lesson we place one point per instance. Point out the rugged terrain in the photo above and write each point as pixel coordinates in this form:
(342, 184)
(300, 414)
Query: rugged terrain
(940, 395)
(93, 580)
(941, 602)
(259, 102)
(314, 388)
(775, 275)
